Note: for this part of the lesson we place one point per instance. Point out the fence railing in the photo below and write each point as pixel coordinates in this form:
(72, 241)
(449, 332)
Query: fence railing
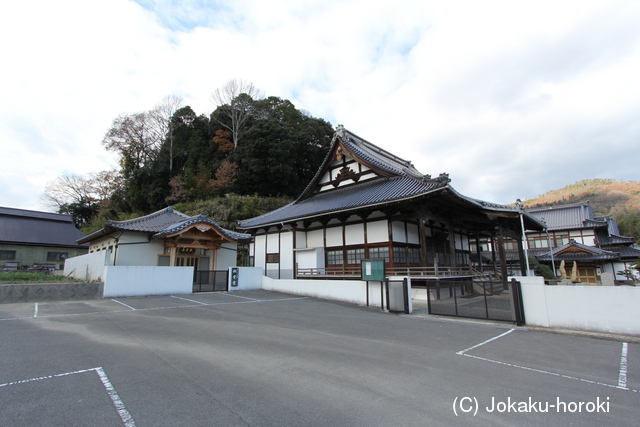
(354, 272)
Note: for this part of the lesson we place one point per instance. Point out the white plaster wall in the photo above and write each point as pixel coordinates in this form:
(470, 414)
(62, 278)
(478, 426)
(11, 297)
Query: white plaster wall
(310, 258)
(301, 239)
(286, 255)
(249, 278)
(414, 235)
(273, 245)
(334, 236)
(226, 256)
(87, 267)
(138, 254)
(610, 309)
(354, 234)
(260, 255)
(315, 239)
(121, 281)
(377, 232)
(352, 291)
(399, 234)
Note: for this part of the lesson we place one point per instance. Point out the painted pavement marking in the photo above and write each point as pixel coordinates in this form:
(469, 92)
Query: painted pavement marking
(35, 311)
(190, 300)
(238, 296)
(125, 416)
(199, 304)
(128, 306)
(621, 381)
(622, 377)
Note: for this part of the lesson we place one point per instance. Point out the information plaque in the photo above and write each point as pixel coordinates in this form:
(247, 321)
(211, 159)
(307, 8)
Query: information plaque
(372, 269)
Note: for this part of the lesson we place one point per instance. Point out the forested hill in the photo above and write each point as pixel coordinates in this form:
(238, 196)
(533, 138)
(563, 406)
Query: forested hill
(620, 199)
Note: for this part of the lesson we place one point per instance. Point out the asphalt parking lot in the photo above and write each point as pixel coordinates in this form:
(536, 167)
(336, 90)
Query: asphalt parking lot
(260, 358)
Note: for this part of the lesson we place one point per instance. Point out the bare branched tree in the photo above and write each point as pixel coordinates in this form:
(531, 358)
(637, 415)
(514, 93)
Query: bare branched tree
(134, 138)
(234, 105)
(139, 137)
(160, 118)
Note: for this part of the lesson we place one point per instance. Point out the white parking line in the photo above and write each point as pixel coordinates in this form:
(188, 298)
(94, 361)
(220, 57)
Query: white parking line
(462, 352)
(199, 304)
(622, 380)
(121, 303)
(125, 416)
(622, 377)
(238, 296)
(190, 300)
(35, 311)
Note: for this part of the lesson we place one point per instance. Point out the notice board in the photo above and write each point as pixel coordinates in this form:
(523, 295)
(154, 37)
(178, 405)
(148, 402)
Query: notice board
(372, 269)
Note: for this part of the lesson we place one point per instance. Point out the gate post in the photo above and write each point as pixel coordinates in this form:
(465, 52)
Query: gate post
(516, 298)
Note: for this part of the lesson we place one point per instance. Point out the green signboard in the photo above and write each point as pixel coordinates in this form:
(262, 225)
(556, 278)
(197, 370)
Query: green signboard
(372, 269)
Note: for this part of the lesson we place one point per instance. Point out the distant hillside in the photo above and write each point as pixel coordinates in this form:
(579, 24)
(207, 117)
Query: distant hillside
(620, 199)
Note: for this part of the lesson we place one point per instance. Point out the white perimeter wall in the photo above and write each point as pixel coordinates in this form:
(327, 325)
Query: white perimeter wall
(126, 281)
(610, 309)
(352, 291)
(87, 267)
(249, 278)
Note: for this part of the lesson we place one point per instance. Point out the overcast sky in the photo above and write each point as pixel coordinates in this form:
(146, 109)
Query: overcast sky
(511, 98)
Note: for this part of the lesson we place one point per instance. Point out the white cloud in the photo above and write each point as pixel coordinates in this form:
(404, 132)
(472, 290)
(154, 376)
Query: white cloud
(512, 99)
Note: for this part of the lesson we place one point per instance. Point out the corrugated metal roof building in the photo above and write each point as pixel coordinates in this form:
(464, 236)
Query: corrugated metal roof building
(32, 238)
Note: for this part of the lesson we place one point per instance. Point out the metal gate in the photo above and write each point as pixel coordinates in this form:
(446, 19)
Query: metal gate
(478, 299)
(210, 280)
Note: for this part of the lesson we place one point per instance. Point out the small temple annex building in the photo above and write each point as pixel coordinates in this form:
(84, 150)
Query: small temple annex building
(366, 203)
(167, 238)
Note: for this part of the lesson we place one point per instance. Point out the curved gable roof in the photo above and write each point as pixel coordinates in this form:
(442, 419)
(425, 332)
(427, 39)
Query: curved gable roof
(159, 224)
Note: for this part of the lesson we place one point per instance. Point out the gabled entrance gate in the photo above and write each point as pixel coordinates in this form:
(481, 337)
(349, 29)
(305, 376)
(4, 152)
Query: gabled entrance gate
(478, 299)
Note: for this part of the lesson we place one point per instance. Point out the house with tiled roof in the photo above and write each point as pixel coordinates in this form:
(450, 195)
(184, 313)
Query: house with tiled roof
(575, 234)
(33, 239)
(367, 203)
(167, 238)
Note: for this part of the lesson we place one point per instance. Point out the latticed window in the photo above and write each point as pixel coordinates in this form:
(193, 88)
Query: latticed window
(381, 252)
(354, 256)
(273, 258)
(400, 255)
(335, 257)
(413, 256)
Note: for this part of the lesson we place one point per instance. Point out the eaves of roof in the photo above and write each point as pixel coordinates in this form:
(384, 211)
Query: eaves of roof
(371, 193)
(160, 224)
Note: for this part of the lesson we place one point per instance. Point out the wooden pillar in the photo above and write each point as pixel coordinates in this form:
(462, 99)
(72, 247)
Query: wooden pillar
(503, 258)
(452, 245)
(423, 243)
(390, 231)
(479, 252)
(172, 256)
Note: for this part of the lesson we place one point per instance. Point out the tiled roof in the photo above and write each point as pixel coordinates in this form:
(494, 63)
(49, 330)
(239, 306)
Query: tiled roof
(201, 219)
(400, 180)
(159, 224)
(374, 155)
(367, 193)
(22, 226)
(562, 217)
(616, 240)
(585, 253)
(625, 251)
